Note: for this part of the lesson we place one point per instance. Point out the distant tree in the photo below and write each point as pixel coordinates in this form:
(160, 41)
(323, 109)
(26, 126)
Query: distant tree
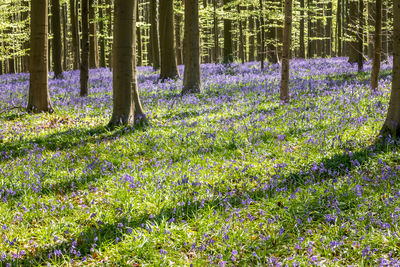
(127, 108)
(287, 33)
(84, 75)
(392, 122)
(376, 64)
(228, 54)
(169, 68)
(94, 47)
(191, 48)
(39, 99)
(57, 47)
(75, 33)
(154, 41)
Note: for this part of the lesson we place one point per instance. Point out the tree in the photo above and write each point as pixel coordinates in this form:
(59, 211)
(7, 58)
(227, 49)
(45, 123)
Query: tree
(392, 122)
(376, 64)
(287, 33)
(302, 46)
(84, 75)
(94, 47)
(75, 34)
(154, 43)
(191, 48)
(228, 55)
(127, 108)
(57, 48)
(353, 29)
(169, 68)
(39, 99)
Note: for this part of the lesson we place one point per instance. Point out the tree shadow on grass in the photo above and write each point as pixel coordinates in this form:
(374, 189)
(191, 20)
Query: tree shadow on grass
(335, 166)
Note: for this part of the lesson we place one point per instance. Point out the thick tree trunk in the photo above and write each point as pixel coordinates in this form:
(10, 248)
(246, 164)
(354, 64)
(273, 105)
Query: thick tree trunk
(287, 35)
(75, 34)
(39, 99)
(228, 52)
(392, 122)
(127, 108)
(57, 48)
(169, 69)
(84, 79)
(154, 43)
(302, 52)
(191, 79)
(376, 64)
(94, 47)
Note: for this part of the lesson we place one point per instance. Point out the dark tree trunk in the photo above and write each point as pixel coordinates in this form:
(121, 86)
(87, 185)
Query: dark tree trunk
(154, 43)
(169, 69)
(216, 32)
(385, 34)
(84, 76)
(127, 108)
(353, 31)
(75, 34)
(178, 39)
(228, 52)
(138, 37)
(39, 99)
(311, 46)
(339, 28)
(102, 39)
(241, 37)
(302, 52)
(191, 79)
(376, 64)
(371, 25)
(328, 31)
(65, 35)
(252, 43)
(287, 34)
(360, 57)
(57, 48)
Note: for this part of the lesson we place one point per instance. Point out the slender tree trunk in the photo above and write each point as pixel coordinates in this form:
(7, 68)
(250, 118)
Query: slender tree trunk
(191, 79)
(216, 32)
(241, 36)
(353, 30)
(392, 122)
(75, 34)
(385, 34)
(252, 43)
(102, 38)
(154, 43)
(94, 48)
(84, 79)
(287, 35)
(228, 52)
(376, 64)
(328, 31)
(360, 58)
(302, 52)
(339, 28)
(311, 49)
(110, 30)
(262, 38)
(127, 108)
(138, 37)
(39, 99)
(178, 39)
(371, 25)
(57, 48)
(169, 69)
(65, 36)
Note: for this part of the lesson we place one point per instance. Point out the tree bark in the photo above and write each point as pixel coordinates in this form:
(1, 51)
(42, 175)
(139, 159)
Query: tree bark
(302, 52)
(65, 35)
(139, 53)
(154, 43)
(191, 42)
(84, 76)
(75, 34)
(392, 122)
(360, 50)
(252, 43)
(127, 108)
(102, 38)
(311, 46)
(178, 40)
(57, 47)
(94, 47)
(262, 38)
(339, 28)
(353, 31)
(376, 64)
(228, 52)
(169, 68)
(287, 34)
(371, 25)
(39, 99)
(216, 32)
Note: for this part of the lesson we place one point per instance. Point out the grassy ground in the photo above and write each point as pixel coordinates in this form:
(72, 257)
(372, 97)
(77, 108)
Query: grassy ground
(229, 176)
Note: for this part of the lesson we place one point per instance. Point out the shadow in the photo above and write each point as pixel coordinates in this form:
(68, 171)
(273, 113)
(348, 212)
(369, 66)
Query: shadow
(107, 233)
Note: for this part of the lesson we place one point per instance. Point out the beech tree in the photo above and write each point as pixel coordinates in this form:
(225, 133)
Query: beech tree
(154, 41)
(57, 48)
(84, 75)
(228, 57)
(376, 64)
(287, 33)
(392, 122)
(191, 48)
(127, 108)
(39, 99)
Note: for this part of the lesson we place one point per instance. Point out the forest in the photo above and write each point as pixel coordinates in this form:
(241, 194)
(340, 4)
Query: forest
(199, 132)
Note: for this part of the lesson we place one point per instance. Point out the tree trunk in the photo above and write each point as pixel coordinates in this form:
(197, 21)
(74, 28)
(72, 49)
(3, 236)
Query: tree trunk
(102, 38)
(328, 31)
(191, 42)
(65, 35)
(262, 38)
(39, 99)
(376, 64)
(75, 34)
(241, 37)
(57, 48)
(392, 122)
(127, 108)
(138, 37)
(360, 57)
(169, 69)
(287, 34)
(216, 32)
(228, 53)
(353, 31)
(252, 43)
(84, 79)
(302, 52)
(339, 28)
(371, 24)
(154, 43)
(94, 48)
(311, 46)
(385, 34)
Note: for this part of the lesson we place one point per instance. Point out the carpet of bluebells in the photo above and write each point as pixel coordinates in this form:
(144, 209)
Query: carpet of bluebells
(227, 177)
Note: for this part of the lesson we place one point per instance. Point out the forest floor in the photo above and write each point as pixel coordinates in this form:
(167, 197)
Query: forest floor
(229, 176)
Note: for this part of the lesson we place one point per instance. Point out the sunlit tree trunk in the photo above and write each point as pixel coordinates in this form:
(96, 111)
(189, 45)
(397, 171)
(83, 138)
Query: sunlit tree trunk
(39, 99)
